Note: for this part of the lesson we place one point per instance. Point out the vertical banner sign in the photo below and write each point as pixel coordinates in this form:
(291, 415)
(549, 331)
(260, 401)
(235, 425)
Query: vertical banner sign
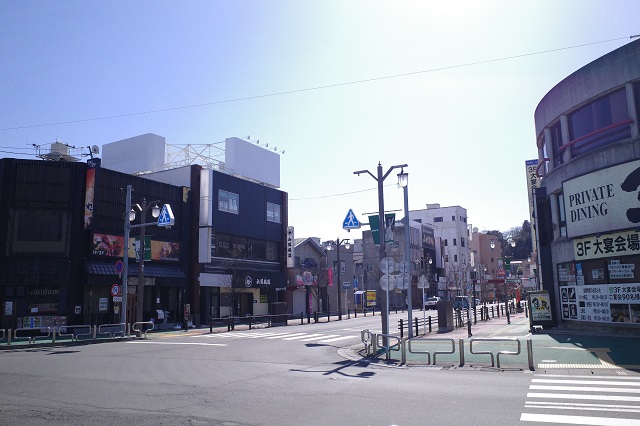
(389, 227)
(90, 186)
(290, 253)
(532, 182)
(330, 280)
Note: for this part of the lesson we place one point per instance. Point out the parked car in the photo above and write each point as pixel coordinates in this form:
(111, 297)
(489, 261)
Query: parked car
(432, 302)
(461, 302)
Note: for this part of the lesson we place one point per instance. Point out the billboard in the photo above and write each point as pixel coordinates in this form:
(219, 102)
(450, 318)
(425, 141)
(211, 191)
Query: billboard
(603, 201)
(246, 159)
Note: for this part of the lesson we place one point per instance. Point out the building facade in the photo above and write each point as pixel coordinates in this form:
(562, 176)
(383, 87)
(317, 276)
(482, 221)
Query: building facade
(64, 238)
(450, 226)
(587, 209)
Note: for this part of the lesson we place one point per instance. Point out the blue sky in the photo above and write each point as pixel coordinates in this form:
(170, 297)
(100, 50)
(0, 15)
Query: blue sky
(339, 86)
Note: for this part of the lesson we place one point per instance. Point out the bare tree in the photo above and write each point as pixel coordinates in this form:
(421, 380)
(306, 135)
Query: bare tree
(315, 277)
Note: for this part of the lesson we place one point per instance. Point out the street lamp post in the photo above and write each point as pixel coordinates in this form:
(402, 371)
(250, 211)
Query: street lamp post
(347, 245)
(380, 179)
(130, 216)
(403, 181)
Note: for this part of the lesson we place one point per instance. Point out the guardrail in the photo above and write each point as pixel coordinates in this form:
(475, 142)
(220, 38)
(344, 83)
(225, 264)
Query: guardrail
(56, 334)
(374, 346)
(387, 338)
(113, 329)
(418, 340)
(137, 328)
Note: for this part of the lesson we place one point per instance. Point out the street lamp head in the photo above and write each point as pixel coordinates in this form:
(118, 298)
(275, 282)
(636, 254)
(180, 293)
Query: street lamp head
(155, 210)
(347, 245)
(492, 244)
(132, 215)
(329, 246)
(403, 178)
(430, 261)
(513, 243)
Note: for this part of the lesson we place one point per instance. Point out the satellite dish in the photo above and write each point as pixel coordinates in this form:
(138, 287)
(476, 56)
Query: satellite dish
(95, 150)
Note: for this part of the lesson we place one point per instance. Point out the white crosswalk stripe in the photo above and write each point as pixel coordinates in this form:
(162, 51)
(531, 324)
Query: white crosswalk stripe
(556, 398)
(285, 336)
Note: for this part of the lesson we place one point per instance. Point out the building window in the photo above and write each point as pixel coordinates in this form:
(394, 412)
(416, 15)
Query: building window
(556, 143)
(273, 212)
(562, 220)
(455, 243)
(228, 202)
(591, 122)
(437, 219)
(462, 241)
(272, 250)
(446, 242)
(455, 258)
(453, 218)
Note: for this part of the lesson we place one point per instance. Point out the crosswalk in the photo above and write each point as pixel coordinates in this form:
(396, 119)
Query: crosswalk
(322, 338)
(584, 400)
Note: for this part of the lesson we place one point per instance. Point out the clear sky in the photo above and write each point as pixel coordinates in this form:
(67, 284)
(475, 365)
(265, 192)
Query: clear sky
(448, 87)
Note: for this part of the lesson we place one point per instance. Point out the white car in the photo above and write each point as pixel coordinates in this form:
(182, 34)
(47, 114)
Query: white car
(432, 302)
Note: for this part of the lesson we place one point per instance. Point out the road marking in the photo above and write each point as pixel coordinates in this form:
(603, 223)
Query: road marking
(583, 407)
(582, 377)
(286, 335)
(178, 343)
(335, 339)
(584, 388)
(324, 336)
(577, 420)
(589, 382)
(587, 397)
(303, 336)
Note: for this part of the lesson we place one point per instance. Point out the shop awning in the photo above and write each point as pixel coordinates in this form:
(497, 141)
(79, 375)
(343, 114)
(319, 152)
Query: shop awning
(158, 270)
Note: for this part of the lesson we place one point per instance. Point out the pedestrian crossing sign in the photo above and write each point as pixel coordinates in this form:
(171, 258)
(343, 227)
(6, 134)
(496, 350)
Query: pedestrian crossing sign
(351, 221)
(166, 218)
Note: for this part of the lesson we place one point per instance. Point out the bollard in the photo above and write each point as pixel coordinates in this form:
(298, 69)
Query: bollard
(53, 335)
(9, 338)
(530, 354)
(429, 323)
(315, 316)
(401, 328)
(348, 313)
(416, 321)
(229, 324)
(355, 312)
(250, 317)
(328, 316)
(95, 330)
(526, 311)
(461, 345)
(301, 318)
(308, 317)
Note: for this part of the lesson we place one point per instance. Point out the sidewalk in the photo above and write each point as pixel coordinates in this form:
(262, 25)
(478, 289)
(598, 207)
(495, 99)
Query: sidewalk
(553, 351)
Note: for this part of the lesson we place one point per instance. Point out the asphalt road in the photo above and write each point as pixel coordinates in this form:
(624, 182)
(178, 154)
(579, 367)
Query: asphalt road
(261, 377)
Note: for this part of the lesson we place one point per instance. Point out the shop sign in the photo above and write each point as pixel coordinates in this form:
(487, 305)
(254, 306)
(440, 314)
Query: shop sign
(609, 303)
(603, 200)
(103, 304)
(290, 248)
(608, 245)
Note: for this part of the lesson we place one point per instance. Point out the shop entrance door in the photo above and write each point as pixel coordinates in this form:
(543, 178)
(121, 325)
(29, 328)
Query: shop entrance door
(246, 304)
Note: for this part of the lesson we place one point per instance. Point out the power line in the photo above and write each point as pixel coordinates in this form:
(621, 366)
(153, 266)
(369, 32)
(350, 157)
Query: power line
(337, 195)
(309, 89)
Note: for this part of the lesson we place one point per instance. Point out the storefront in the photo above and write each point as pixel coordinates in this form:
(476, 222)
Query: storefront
(243, 293)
